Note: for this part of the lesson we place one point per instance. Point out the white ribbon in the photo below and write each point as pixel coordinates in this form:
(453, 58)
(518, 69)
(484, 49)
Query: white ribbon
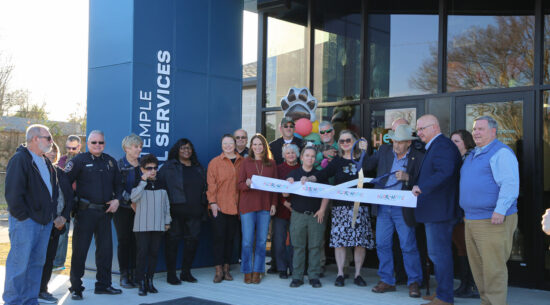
(338, 192)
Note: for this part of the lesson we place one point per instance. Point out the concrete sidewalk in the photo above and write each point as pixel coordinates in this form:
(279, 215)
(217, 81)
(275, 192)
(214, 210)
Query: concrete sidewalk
(271, 290)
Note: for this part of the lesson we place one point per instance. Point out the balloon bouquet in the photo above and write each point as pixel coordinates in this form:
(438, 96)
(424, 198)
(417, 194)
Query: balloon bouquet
(300, 105)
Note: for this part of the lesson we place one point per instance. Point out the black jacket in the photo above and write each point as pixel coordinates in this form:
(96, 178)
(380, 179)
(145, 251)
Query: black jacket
(382, 160)
(68, 192)
(276, 148)
(171, 175)
(26, 193)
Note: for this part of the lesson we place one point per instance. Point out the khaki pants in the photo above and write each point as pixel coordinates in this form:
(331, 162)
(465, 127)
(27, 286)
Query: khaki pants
(489, 248)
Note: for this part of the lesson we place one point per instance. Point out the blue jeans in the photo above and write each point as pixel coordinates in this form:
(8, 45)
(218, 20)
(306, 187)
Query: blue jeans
(389, 219)
(61, 254)
(282, 253)
(439, 237)
(29, 241)
(253, 260)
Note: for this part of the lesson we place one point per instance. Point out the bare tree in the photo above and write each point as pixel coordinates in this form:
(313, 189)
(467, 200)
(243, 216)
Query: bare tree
(6, 69)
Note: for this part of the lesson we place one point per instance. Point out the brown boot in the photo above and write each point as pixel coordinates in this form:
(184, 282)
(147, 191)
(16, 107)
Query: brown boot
(437, 301)
(226, 275)
(248, 278)
(219, 274)
(429, 297)
(256, 279)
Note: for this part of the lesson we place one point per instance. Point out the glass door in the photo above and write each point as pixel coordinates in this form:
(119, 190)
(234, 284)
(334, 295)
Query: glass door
(514, 113)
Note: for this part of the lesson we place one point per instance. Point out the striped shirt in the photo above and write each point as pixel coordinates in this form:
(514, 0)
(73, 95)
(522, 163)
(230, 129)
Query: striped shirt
(152, 207)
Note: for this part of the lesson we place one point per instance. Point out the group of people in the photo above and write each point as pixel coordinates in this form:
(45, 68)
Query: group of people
(466, 188)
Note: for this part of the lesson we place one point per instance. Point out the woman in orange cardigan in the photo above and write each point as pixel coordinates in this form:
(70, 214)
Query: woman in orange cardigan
(223, 198)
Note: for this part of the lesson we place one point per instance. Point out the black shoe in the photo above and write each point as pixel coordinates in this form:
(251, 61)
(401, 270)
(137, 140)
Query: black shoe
(108, 290)
(142, 288)
(125, 280)
(283, 275)
(315, 283)
(339, 281)
(186, 276)
(45, 297)
(172, 279)
(151, 287)
(76, 295)
(272, 270)
(296, 283)
(359, 281)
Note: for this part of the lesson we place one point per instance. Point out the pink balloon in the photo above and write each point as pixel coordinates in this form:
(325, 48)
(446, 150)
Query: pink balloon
(303, 127)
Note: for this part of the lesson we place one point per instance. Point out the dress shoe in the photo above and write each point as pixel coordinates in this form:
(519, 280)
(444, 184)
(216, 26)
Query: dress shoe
(272, 270)
(125, 280)
(108, 290)
(248, 278)
(218, 276)
(414, 290)
(226, 275)
(359, 281)
(186, 276)
(76, 295)
(429, 297)
(172, 279)
(339, 281)
(256, 278)
(437, 301)
(283, 275)
(296, 283)
(151, 286)
(142, 288)
(315, 283)
(382, 287)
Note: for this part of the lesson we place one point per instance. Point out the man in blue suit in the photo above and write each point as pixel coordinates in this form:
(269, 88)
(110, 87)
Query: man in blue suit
(437, 192)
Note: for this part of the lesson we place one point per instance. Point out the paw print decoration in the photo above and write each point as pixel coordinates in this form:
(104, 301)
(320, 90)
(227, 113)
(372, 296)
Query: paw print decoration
(299, 103)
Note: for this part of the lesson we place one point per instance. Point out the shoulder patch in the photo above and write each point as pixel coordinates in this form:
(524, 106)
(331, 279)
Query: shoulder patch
(68, 166)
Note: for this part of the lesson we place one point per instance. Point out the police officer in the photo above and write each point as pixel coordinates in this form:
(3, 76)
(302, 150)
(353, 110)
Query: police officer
(99, 189)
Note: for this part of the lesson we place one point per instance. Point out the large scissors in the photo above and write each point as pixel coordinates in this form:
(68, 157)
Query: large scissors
(360, 176)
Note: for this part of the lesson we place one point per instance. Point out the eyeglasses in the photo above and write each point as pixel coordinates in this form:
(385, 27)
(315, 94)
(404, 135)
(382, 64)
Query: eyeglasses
(422, 128)
(97, 142)
(241, 138)
(289, 126)
(342, 141)
(71, 148)
(150, 168)
(185, 148)
(49, 138)
(326, 131)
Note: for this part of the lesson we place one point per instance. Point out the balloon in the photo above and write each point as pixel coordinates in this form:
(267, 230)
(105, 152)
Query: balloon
(303, 127)
(298, 136)
(315, 127)
(314, 138)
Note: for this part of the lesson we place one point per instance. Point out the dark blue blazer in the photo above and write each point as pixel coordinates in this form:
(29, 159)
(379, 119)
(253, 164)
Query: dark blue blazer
(438, 180)
(382, 160)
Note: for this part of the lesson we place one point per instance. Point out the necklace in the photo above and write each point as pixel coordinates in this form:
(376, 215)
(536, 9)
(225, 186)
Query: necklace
(257, 169)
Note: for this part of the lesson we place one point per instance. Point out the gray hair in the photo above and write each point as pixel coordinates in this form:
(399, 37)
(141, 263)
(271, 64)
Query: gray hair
(490, 120)
(73, 138)
(240, 129)
(130, 140)
(325, 124)
(98, 132)
(294, 147)
(34, 131)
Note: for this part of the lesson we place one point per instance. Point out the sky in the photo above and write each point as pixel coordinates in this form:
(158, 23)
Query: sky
(47, 42)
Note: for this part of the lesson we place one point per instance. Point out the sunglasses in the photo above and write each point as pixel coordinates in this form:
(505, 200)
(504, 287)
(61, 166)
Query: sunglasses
(241, 138)
(342, 141)
(71, 148)
(150, 168)
(97, 142)
(49, 138)
(289, 126)
(326, 131)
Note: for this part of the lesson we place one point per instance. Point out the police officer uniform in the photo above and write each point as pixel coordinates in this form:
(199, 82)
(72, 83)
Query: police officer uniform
(98, 181)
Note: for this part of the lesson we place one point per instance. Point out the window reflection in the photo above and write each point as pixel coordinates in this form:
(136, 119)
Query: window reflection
(546, 49)
(286, 59)
(489, 52)
(403, 58)
(337, 59)
(546, 183)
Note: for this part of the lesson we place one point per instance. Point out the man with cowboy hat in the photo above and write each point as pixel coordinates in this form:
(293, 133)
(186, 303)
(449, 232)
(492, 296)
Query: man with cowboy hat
(397, 167)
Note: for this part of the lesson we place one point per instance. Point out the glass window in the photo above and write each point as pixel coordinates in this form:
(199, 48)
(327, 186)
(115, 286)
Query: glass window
(441, 108)
(489, 52)
(286, 59)
(272, 122)
(546, 184)
(342, 117)
(546, 61)
(402, 54)
(337, 57)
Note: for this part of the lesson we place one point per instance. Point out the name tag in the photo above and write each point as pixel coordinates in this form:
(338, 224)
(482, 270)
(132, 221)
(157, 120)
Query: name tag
(89, 165)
